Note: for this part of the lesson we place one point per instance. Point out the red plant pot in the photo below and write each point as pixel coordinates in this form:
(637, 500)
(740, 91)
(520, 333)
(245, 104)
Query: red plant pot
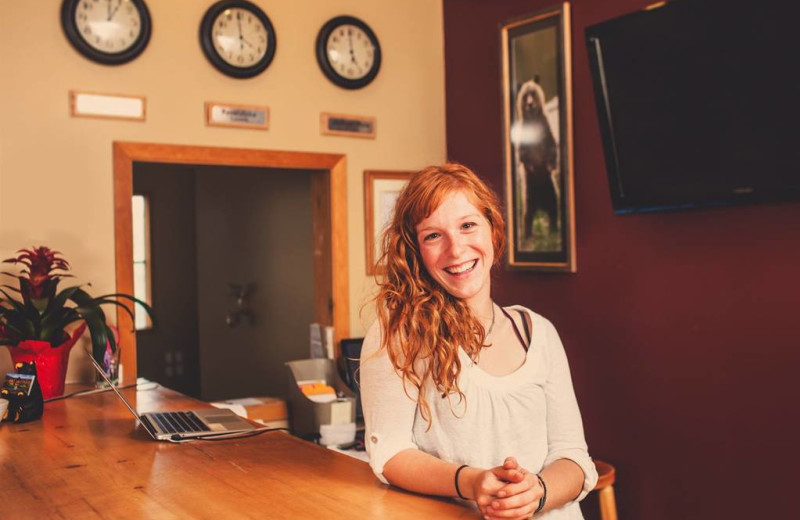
(51, 362)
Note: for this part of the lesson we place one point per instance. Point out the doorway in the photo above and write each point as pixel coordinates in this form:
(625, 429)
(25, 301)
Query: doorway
(328, 215)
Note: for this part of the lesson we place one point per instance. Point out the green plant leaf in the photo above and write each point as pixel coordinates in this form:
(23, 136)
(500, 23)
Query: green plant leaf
(111, 340)
(12, 301)
(96, 320)
(135, 300)
(101, 301)
(40, 304)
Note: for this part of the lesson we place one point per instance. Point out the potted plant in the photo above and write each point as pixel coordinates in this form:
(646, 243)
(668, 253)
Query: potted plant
(34, 324)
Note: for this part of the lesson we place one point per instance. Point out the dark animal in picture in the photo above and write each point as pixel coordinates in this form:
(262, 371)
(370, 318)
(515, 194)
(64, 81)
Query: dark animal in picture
(537, 153)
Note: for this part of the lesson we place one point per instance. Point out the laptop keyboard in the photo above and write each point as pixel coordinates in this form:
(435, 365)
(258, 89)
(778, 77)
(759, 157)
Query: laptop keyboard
(179, 422)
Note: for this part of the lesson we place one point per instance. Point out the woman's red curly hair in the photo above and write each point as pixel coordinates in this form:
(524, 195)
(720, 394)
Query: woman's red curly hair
(423, 325)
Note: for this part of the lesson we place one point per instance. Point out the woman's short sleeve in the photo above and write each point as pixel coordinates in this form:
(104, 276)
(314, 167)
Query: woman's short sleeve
(565, 439)
(388, 411)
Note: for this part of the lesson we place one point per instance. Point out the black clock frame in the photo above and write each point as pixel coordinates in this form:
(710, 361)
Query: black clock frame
(74, 37)
(322, 53)
(207, 39)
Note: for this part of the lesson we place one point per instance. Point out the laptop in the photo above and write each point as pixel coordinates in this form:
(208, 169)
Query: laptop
(173, 426)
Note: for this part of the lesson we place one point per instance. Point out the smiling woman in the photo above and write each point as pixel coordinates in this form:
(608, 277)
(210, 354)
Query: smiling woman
(463, 397)
(455, 244)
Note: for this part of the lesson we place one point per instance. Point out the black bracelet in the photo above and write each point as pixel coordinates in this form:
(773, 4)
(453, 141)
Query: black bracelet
(544, 495)
(456, 480)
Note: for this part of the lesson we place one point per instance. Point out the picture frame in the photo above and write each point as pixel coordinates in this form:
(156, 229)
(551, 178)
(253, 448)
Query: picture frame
(381, 189)
(537, 125)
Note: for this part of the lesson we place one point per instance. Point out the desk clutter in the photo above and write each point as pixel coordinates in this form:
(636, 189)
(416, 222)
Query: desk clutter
(322, 406)
(269, 411)
(22, 394)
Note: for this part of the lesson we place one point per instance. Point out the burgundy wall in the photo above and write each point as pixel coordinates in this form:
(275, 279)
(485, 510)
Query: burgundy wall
(681, 328)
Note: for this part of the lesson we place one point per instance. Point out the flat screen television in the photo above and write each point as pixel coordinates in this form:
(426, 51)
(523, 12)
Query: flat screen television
(697, 102)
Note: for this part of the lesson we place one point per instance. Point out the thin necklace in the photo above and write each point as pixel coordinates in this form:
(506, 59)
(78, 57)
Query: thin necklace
(491, 326)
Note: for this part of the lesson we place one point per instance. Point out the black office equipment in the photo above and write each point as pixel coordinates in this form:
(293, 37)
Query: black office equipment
(351, 353)
(697, 104)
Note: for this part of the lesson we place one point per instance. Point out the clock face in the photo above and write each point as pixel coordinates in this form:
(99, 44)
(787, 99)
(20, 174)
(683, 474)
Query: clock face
(240, 38)
(111, 32)
(110, 26)
(348, 52)
(237, 38)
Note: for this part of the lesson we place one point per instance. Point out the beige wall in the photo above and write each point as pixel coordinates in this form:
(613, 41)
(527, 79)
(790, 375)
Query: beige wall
(56, 171)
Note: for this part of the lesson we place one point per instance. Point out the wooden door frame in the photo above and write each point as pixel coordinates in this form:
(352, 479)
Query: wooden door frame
(328, 212)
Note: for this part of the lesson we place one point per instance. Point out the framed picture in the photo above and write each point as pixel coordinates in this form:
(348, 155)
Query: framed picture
(381, 189)
(537, 99)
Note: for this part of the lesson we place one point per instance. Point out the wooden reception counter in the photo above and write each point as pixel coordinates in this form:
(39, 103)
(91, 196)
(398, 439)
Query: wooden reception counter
(86, 459)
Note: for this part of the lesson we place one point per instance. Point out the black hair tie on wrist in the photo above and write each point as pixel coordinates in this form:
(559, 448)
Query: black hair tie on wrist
(544, 495)
(456, 481)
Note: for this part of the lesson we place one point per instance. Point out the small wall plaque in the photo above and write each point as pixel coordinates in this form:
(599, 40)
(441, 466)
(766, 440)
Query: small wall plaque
(239, 116)
(348, 126)
(106, 106)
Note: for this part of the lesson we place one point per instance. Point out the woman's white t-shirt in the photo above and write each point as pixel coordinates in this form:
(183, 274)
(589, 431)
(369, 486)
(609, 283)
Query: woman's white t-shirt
(531, 414)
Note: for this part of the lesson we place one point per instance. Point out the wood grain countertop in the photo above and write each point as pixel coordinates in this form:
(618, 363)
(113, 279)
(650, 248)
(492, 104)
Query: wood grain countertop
(86, 458)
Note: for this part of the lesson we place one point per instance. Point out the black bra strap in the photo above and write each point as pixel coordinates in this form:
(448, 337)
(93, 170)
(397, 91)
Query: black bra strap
(524, 317)
(516, 329)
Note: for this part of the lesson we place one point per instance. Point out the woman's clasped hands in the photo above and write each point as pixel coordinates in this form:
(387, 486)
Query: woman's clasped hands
(508, 491)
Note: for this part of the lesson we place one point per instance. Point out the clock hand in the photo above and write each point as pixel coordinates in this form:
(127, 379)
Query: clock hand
(110, 16)
(239, 21)
(352, 52)
(247, 42)
(108, 10)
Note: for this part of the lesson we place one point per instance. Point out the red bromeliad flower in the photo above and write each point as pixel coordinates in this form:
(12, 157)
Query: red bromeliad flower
(38, 280)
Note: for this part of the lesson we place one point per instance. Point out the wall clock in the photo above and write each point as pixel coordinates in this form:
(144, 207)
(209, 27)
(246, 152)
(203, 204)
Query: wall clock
(237, 38)
(348, 52)
(111, 32)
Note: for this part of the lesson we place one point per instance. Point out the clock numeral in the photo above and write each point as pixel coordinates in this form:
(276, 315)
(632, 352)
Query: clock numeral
(131, 34)
(258, 50)
(87, 30)
(240, 59)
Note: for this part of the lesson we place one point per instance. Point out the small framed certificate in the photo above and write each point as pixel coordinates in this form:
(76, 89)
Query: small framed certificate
(381, 189)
